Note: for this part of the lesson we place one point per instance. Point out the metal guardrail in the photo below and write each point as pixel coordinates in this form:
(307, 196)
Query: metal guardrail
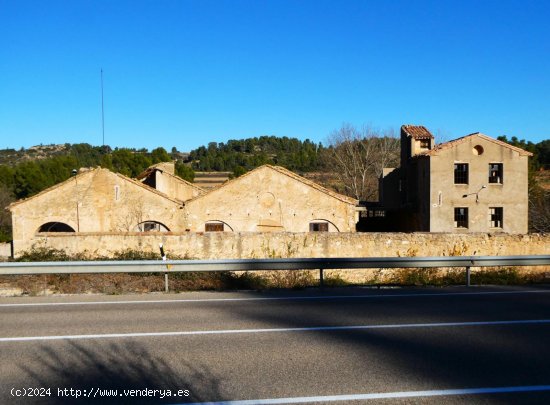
(170, 266)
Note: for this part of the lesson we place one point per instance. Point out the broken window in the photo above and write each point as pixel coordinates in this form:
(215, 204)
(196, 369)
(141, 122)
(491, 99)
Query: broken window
(461, 217)
(495, 173)
(461, 173)
(495, 217)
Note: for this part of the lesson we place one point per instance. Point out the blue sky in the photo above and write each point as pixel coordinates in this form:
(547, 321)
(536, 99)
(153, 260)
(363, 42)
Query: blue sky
(185, 73)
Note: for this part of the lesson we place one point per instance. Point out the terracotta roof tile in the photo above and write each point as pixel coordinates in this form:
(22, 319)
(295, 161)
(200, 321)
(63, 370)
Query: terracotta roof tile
(417, 131)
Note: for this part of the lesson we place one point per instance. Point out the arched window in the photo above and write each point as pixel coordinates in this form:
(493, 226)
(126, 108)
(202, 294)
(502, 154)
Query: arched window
(151, 226)
(55, 227)
(217, 226)
(322, 225)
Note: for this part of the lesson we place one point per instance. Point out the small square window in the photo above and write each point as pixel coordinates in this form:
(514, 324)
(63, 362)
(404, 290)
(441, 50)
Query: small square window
(461, 173)
(425, 143)
(318, 227)
(461, 217)
(495, 217)
(495, 173)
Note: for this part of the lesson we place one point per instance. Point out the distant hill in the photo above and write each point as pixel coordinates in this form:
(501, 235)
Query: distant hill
(11, 157)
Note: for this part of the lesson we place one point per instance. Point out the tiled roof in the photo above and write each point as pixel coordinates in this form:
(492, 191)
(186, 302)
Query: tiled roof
(454, 142)
(417, 131)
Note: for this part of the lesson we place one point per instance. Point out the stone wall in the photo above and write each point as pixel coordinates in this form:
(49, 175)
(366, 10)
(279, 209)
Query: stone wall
(5, 251)
(224, 245)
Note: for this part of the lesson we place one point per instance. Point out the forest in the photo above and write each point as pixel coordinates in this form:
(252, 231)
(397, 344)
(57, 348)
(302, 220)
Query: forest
(242, 155)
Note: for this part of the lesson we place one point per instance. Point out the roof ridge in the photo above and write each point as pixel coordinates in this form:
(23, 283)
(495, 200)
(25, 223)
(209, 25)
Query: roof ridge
(313, 184)
(94, 170)
(456, 141)
(184, 181)
(51, 188)
(289, 173)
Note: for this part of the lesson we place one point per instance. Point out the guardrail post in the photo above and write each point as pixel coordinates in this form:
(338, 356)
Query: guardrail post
(166, 282)
(321, 281)
(468, 276)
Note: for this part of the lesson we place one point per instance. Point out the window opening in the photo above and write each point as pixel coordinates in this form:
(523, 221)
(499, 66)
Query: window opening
(318, 227)
(461, 173)
(495, 217)
(214, 227)
(461, 217)
(151, 226)
(495, 173)
(55, 227)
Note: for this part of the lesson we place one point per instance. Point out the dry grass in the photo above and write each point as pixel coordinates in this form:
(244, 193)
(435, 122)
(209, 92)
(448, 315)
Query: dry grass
(125, 283)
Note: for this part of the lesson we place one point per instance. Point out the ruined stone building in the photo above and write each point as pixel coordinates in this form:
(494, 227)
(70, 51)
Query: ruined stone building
(272, 199)
(98, 201)
(471, 184)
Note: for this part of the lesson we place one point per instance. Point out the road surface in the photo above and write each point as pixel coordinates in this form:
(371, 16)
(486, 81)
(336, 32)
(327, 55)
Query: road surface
(352, 345)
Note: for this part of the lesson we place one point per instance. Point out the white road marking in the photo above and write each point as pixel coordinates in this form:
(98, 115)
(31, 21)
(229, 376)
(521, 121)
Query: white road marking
(272, 330)
(381, 395)
(298, 298)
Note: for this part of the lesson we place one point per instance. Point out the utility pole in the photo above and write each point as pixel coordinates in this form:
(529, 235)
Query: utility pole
(102, 110)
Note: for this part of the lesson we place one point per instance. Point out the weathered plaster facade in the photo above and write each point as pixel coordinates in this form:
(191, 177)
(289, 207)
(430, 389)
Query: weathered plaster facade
(510, 194)
(97, 200)
(472, 184)
(271, 199)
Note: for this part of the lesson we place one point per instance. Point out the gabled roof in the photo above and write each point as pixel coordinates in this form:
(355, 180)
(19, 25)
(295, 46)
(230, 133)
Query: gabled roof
(154, 168)
(417, 131)
(86, 173)
(458, 141)
(157, 166)
(290, 174)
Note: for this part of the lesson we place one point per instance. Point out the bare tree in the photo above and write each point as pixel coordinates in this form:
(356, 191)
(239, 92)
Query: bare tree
(539, 209)
(358, 158)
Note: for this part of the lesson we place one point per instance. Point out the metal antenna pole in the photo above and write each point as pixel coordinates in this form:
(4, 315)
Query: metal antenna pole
(102, 110)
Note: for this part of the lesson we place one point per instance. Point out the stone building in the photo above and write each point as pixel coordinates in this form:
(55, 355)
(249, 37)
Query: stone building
(471, 184)
(101, 202)
(271, 199)
(97, 201)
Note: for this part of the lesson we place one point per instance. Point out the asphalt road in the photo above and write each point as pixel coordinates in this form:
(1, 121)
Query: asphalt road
(452, 345)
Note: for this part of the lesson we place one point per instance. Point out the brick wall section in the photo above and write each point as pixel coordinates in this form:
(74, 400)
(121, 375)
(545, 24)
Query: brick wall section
(226, 245)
